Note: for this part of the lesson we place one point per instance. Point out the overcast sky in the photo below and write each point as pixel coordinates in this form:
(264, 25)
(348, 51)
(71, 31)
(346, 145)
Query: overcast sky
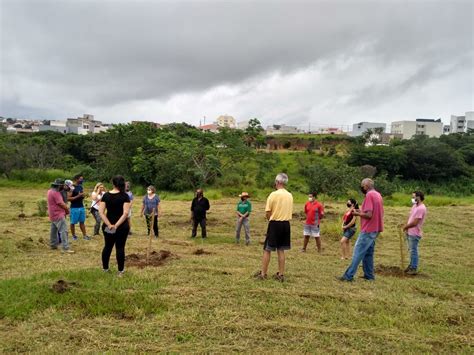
(319, 62)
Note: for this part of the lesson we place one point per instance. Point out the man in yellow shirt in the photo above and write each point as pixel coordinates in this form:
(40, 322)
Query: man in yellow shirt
(279, 210)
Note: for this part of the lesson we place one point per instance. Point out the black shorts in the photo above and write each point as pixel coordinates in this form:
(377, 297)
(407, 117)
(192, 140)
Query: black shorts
(278, 236)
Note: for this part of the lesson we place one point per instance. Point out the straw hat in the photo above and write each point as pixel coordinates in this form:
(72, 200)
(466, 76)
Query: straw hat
(244, 194)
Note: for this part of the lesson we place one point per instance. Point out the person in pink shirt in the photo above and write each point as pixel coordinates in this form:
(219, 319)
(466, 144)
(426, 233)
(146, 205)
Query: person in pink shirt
(57, 211)
(371, 220)
(414, 230)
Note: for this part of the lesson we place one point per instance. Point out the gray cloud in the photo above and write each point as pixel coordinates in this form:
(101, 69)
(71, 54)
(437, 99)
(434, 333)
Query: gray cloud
(61, 56)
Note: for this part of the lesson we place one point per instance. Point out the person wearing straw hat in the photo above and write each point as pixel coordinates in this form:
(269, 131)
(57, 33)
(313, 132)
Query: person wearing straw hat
(244, 208)
(57, 211)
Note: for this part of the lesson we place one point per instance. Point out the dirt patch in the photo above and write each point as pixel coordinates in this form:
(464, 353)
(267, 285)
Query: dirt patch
(25, 244)
(62, 286)
(201, 251)
(395, 271)
(156, 259)
(176, 242)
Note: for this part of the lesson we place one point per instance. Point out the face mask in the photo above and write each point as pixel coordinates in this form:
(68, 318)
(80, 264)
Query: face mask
(349, 205)
(413, 201)
(310, 199)
(362, 189)
(149, 192)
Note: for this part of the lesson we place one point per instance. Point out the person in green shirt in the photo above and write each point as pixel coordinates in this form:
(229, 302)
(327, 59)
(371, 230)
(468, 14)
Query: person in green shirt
(244, 207)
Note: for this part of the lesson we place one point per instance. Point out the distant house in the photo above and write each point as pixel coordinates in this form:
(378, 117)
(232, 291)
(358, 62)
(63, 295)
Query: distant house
(281, 129)
(214, 128)
(79, 125)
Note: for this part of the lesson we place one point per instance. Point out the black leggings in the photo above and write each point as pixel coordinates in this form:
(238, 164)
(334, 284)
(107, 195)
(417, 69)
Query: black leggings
(155, 224)
(119, 238)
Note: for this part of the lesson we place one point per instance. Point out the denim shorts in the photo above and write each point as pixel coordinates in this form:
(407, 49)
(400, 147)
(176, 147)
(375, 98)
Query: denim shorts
(78, 215)
(311, 230)
(349, 233)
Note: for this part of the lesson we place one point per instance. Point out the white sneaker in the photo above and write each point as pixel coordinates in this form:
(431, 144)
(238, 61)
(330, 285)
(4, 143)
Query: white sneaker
(120, 273)
(68, 251)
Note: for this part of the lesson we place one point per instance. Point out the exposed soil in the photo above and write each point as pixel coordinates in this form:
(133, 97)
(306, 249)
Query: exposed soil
(156, 259)
(201, 252)
(25, 244)
(62, 286)
(395, 271)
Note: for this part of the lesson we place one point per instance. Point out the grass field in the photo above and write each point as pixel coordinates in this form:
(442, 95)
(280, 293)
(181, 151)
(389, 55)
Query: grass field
(209, 302)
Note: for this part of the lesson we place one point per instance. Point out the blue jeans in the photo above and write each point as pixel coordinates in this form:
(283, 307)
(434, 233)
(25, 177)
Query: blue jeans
(413, 241)
(363, 251)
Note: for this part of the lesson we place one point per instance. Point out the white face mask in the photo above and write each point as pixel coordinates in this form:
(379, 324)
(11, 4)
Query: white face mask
(311, 199)
(413, 201)
(149, 192)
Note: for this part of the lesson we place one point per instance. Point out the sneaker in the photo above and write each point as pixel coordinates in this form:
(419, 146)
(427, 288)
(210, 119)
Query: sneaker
(87, 238)
(105, 270)
(343, 279)
(68, 251)
(279, 277)
(258, 275)
(156, 237)
(74, 237)
(247, 242)
(204, 237)
(412, 271)
(53, 248)
(303, 250)
(120, 273)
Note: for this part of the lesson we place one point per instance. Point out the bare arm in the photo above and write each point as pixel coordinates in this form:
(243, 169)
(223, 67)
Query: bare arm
(124, 217)
(102, 214)
(351, 223)
(363, 214)
(268, 214)
(412, 224)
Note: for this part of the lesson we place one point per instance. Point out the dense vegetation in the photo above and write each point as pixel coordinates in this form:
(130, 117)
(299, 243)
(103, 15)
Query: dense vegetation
(180, 157)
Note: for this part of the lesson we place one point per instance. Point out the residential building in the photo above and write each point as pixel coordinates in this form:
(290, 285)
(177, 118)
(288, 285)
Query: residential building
(226, 121)
(360, 128)
(330, 130)
(80, 125)
(421, 126)
(281, 129)
(54, 125)
(243, 124)
(214, 128)
(458, 124)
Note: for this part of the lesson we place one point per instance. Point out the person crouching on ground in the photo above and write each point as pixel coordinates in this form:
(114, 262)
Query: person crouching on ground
(151, 208)
(349, 228)
(314, 211)
(244, 207)
(279, 211)
(57, 211)
(96, 196)
(115, 228)
(414, 230)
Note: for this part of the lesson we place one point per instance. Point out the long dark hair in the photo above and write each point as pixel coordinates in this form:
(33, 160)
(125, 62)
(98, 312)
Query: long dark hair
(354, 203)
(119, 182)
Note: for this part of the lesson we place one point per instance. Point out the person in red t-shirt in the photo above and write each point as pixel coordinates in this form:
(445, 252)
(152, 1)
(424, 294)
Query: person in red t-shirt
(349, 228)
(314, 211)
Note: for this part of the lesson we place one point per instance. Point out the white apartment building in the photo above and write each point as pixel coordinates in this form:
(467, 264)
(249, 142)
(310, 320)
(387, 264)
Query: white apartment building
(80, 125)
(226, 121)
(360, 128)
(422, 126)
(458, 124)
(243, 124)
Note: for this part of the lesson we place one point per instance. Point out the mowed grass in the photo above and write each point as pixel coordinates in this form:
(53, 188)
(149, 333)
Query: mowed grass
(210, 303)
